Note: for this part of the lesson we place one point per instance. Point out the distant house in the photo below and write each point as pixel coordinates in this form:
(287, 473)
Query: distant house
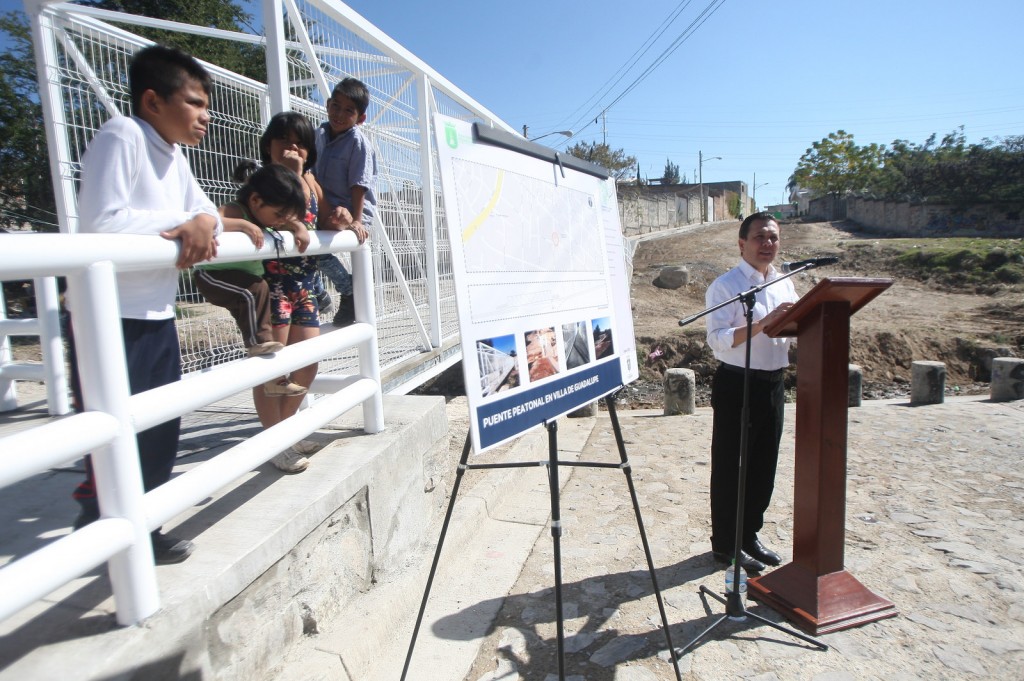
(782, 210)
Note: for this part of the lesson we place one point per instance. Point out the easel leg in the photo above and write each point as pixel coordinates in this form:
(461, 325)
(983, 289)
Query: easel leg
(460, 471)
(627, 469)
(556, 538)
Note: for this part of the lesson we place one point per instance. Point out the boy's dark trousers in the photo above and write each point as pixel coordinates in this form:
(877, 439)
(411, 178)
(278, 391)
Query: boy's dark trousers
(154, 359)
(245, 295)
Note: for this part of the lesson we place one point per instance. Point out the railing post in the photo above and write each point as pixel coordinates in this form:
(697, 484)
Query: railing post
(429, 201)
(51, 100)
(369, 365)
(277, 68)
(8, 390)
(52, 345)
(104, 376)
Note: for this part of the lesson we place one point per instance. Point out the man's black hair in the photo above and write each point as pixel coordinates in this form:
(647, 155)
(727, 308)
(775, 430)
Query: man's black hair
(751, 219)
(279, 128)
(356, 90)
(164, 70)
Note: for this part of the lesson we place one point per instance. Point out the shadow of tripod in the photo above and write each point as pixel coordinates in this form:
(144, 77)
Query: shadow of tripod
(553, 463)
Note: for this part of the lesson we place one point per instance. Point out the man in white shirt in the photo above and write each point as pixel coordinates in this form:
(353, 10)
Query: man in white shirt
(759, 240)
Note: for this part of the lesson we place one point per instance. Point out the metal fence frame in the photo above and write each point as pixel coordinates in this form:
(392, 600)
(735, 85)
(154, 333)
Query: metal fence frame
(82, 55)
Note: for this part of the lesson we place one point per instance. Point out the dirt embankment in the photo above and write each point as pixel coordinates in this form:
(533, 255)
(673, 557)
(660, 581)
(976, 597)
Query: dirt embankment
(913, 320)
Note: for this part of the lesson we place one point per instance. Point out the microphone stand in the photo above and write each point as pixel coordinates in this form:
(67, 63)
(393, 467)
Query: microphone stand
(735, 609)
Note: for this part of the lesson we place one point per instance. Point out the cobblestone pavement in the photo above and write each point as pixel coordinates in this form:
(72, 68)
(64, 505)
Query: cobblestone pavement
(934, 523)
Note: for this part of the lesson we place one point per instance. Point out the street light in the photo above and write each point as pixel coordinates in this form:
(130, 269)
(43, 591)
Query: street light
(567, 133)
(754, 194)
(700, 172)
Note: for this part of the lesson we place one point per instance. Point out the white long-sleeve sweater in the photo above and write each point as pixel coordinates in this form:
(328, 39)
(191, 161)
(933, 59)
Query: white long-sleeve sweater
(133, 182)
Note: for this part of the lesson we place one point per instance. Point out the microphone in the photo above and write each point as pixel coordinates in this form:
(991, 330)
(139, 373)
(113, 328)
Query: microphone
(810, 263)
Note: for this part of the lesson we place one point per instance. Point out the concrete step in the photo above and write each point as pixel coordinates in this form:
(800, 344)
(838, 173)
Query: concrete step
(275, 554)
(499, 516)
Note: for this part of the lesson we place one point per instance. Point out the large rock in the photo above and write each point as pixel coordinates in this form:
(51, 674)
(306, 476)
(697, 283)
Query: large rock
(672, 277)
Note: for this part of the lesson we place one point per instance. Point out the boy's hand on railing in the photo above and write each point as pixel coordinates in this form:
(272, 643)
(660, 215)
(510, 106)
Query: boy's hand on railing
(339, 218)
(198, 242)
(360, 231)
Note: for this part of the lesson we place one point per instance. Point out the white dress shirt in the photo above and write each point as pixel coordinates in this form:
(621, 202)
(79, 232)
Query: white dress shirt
(766, 353)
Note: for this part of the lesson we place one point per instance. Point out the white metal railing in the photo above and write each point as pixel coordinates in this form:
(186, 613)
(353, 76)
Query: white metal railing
(51, 371)
(107, 431)
(82, 55)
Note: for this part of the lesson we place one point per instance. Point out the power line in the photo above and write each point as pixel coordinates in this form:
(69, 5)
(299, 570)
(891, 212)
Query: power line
(635, 57)
(705, 14)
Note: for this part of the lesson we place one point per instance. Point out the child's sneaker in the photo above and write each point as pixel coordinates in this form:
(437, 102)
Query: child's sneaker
(290, 461)
(264, 348)
(346, 313)
(282, 387)
(306, 447)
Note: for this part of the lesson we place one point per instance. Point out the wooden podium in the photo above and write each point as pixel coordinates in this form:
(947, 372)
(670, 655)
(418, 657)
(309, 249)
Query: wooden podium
(814, 591)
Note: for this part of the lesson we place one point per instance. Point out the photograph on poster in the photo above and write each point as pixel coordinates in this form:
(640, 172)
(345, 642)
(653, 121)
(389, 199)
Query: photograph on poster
(541, 353)
(574, 340)
(499, 370)
(602, 338)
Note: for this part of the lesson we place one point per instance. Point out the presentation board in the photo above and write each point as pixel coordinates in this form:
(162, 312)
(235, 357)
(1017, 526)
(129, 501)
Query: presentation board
(540, 276)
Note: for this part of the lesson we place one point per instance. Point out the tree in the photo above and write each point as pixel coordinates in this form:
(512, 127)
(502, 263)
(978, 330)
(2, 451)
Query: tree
(26, 190)
(836, 165)
(247, 60)
(617, 162)
(671, 175)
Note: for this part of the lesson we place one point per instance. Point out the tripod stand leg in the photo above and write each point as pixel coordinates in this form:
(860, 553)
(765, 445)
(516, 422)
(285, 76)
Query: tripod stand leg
(460, 471)
(556, 538)
(701, 635)
(610, 401)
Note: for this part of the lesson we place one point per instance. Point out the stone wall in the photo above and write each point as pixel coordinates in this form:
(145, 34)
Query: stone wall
(643, 212)
(926, 219)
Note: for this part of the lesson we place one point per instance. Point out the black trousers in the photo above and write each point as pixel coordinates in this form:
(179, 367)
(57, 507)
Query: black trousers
(767, 410)
(154, 359)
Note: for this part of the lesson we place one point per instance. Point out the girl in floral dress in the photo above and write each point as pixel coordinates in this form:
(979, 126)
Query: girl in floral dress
(289, 141)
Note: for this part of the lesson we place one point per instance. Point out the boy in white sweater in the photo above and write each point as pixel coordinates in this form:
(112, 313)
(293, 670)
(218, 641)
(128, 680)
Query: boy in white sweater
(135, 180)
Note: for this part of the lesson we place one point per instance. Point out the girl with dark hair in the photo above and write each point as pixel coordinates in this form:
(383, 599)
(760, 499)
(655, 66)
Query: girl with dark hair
(270, 198)
(288, 142)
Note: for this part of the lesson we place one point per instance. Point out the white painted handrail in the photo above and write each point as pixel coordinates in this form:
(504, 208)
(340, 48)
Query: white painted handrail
(107, 431)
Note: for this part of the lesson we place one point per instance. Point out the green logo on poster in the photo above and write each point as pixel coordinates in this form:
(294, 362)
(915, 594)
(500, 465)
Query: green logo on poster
(451, 136)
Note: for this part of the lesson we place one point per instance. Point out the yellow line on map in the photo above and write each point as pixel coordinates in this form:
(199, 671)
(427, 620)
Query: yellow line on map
(467, 233)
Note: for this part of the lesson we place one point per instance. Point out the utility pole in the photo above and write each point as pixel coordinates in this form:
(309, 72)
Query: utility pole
(700, 171)
(700, 165)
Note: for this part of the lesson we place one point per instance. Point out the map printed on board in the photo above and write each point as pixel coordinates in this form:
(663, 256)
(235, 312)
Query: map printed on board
(541, 284)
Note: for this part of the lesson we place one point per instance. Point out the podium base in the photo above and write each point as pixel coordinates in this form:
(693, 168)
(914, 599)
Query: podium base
(819, 604)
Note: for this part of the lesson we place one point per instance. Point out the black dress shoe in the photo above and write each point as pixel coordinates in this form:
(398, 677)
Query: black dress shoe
(747, 561)
(762, 553)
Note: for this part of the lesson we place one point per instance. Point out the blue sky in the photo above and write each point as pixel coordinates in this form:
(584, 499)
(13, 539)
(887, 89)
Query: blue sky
(756, 84)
